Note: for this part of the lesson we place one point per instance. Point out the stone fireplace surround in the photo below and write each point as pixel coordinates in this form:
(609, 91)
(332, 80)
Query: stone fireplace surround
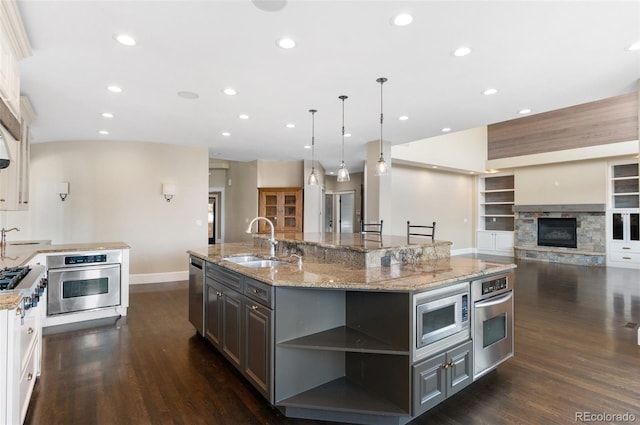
(591, 233)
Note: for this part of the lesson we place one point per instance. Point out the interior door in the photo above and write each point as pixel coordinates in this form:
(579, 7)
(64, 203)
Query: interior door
(328, 212)
(346, 202)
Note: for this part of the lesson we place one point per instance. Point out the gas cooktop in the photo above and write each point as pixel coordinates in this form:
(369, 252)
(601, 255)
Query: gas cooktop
(10, 277)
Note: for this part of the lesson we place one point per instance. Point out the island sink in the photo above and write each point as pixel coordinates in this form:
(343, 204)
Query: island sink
(264, 263)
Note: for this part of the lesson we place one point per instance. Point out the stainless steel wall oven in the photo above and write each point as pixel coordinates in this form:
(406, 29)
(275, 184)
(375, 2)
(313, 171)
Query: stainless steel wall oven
(441, 319)
(85, 281)
(492, 322)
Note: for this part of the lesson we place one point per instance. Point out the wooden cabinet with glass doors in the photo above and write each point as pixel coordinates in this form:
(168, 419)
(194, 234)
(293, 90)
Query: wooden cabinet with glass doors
(283, 206)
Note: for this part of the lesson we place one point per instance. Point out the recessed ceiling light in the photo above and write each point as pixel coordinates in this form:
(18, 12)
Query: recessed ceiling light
(403, 118)
(347, 134)
(489, 92)
(114, 89)
(291, 125)
(402, 19)
(434, 166)
(472, 172)
(307, 146)
(286, 43)
(226, 134)
(188, 95)
(107, 115)
(634, 47)
(331, 172)
(103, 132)
(125, 40)
(229, 91)
(524, 111)
(462, 51)
(243, 116)
(270, 5)
(446, 130)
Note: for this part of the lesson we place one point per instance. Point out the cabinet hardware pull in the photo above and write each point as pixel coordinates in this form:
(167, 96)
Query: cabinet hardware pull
(18, 311)
(30, 331)
(254, 307)
(626, 247)
(445, 366)
(626, 258)
(219, 293)
(255, 291)
(29, 376)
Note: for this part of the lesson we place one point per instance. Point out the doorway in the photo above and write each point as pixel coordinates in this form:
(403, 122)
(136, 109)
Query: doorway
(339, 212)
(215, 223)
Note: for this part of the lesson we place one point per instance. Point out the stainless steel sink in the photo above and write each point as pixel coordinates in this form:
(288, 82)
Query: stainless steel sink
(264, 263)
(242, 258)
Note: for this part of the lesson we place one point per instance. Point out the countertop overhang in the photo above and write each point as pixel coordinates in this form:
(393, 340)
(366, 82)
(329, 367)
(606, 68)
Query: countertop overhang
(319, 274)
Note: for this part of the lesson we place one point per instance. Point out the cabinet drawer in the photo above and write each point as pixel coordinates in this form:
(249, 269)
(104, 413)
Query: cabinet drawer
(628, 257)
(222, 275)
(625, 247)
(27, 381)
(28, 335)
(259, 291)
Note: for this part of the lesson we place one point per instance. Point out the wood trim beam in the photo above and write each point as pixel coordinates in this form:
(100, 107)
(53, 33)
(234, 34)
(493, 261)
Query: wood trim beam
(601, 122)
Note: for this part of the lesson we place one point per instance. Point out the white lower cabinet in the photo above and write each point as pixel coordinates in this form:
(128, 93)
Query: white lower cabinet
(495, 242)
(21, 334)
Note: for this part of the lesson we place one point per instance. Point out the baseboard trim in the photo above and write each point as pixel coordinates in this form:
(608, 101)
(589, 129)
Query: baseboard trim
(143, 278)
(462, 251)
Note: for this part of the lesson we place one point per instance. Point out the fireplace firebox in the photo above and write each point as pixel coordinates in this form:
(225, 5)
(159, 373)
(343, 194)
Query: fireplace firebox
(558, 232)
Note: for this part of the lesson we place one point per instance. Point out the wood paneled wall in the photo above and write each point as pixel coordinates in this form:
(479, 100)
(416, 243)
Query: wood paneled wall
(601, 122)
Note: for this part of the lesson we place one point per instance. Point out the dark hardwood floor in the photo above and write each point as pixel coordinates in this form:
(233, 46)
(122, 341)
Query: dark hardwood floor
(576, 351)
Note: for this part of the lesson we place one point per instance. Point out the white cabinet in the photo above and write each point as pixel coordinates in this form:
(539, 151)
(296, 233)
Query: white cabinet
(20, 357)
(14, 180)
(495, 242)
(9, 74)
(623, 242)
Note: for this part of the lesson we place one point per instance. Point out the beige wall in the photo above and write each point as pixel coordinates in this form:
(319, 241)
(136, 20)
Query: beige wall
(115, 195)
(241, 199)
(579, 182)
(280, 173)
(463, 150)
(423, 196)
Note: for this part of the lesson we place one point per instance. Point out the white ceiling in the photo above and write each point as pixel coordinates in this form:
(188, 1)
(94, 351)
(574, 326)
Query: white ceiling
(541, 55)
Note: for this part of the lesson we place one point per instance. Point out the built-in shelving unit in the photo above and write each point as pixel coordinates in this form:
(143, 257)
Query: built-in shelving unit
(496, 203)
(623, 215)
(625, 185)
(346, 352)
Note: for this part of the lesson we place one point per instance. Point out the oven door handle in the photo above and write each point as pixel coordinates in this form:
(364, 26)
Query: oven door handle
(81, 268)
(494, 301)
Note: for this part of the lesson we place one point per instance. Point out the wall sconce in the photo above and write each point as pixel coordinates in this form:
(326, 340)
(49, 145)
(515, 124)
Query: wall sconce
(62, 189)
(168, 190)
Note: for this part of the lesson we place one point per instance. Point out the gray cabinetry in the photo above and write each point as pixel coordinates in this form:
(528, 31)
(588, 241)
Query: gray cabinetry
(213, 307)
(257, 346)
(441, 376)
(238, 321)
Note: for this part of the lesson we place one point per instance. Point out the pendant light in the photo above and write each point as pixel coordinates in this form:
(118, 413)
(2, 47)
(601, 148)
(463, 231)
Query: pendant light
(343, 173)
(382, 169)
(313, 178)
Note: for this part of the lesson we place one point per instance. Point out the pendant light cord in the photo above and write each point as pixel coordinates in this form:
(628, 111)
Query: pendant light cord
(381, 81)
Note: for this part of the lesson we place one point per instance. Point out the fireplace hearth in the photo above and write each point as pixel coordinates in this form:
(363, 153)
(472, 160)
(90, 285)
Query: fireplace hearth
(559, 232)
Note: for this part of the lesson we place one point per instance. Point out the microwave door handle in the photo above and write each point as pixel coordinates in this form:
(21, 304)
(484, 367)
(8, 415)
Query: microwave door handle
(494, 301)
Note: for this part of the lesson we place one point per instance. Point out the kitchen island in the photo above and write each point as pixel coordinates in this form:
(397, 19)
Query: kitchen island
(333, 337)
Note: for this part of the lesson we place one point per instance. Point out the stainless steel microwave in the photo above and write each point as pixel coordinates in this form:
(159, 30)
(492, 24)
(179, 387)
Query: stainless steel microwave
(441, 319)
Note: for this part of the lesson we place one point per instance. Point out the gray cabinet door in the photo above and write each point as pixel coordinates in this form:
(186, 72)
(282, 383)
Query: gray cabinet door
(213, 312)
(460, 370)
(232, 326)
(257, 346)
(429, 386)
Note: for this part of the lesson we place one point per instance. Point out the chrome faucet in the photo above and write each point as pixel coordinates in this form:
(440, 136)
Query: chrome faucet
(272, 240)
(3, 237)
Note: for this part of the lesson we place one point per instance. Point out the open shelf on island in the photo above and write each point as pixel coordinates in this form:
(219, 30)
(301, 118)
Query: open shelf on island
(344, 395)
(343, 338)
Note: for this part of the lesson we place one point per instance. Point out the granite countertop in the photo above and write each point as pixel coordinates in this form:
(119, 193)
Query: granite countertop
(318, 274)
(19, 253)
